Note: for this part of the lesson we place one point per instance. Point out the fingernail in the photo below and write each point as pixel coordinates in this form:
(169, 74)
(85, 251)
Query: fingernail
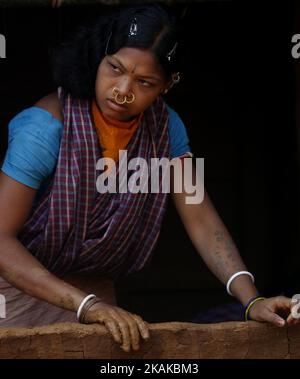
(281, 322)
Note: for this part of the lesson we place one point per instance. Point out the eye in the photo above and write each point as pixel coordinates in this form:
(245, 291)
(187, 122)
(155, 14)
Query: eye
(144, 83)
(115, 68)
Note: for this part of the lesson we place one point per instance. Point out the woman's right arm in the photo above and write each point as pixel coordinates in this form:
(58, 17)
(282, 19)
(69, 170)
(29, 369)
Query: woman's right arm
(17, 265)
(22, 270)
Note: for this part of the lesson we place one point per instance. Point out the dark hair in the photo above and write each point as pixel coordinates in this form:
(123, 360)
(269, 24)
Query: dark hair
(149, 26)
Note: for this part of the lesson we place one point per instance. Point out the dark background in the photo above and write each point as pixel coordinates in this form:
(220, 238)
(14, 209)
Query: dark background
(238, 101)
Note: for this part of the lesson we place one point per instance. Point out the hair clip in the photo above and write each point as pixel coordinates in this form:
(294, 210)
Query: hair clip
(133, 28)
(172, 52)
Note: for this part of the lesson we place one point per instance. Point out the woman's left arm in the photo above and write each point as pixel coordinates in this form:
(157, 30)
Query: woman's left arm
(215, 245)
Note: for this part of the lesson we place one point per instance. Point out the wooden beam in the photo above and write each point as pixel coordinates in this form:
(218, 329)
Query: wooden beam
(171, 340)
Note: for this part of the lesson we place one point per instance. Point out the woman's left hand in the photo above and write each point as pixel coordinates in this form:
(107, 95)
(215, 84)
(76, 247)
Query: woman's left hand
(276, 310)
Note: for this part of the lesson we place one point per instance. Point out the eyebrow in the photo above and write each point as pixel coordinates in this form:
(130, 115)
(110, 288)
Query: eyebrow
(141, 76)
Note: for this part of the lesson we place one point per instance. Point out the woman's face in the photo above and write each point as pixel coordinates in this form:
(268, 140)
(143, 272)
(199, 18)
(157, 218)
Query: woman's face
(131, 71)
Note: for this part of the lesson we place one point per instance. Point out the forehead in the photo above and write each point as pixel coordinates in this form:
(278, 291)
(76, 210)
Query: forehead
(139, 61)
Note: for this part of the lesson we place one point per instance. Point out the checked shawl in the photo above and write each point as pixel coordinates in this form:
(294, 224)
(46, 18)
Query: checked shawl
(75, 229)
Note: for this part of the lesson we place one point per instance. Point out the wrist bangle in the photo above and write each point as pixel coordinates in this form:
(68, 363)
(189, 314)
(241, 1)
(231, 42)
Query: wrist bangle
(87, 307)
(84, 301)
(249, 305)
(230, 280)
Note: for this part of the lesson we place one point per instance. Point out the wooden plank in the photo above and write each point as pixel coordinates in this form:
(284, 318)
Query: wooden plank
(170, 340)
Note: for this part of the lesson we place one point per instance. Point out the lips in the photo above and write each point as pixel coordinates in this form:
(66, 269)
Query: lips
(116, 107)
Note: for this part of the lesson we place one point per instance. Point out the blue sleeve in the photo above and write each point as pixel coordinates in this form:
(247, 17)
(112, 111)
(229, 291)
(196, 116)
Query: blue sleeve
(33, 146)
(179, 142)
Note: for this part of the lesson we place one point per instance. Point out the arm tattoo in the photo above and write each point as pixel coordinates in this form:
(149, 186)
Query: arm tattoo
(225, 257)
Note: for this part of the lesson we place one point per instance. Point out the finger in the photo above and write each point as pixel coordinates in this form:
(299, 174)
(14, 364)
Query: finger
(111, 325)
(291, 320)
(122, 324)
(281, 302)
(273, 318)
(134, 330)
(143, 328)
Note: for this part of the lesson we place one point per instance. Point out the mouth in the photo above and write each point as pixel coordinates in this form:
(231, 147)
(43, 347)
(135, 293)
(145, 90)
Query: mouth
(116, 107)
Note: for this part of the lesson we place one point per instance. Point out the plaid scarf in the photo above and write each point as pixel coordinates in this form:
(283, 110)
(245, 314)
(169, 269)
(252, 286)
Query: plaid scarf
(75, 229)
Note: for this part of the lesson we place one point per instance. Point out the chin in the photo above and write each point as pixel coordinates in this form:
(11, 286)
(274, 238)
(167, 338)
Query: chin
(116, 116)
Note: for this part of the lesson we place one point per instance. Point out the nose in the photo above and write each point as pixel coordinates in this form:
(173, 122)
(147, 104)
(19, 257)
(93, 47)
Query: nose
(124, 87)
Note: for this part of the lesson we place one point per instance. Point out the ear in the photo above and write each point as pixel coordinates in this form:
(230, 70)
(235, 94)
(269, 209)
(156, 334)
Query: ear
(167, 87)
(175, 79)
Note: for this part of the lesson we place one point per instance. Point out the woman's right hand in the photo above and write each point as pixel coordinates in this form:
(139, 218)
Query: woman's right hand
(125, 327)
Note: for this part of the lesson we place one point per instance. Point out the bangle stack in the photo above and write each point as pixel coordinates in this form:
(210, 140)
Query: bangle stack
(85, 305)
(249, 305)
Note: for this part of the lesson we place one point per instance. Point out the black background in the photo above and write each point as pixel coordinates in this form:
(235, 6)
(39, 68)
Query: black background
(238, 102)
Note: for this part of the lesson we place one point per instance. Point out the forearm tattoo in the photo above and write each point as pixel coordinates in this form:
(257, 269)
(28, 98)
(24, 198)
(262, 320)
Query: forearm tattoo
(225, 256)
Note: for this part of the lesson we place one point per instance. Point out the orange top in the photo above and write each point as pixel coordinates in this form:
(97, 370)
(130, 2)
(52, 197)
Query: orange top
(113, 135)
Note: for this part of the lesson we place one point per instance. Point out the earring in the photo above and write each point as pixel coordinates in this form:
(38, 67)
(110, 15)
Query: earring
(176, 78)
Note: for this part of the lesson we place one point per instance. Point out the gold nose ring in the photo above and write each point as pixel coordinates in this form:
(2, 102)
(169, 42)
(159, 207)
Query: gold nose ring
(116, 95)
(120, 101)
(131, 99)
(125, 99)
(115, 91)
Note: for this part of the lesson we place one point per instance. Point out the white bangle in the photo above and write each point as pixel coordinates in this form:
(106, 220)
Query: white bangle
(230, 280)
(87, 298)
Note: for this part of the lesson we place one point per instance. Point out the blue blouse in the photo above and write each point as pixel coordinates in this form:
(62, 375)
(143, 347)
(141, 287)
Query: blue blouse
(34, 141)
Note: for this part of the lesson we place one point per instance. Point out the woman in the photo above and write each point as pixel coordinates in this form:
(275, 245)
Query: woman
(62, 242)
